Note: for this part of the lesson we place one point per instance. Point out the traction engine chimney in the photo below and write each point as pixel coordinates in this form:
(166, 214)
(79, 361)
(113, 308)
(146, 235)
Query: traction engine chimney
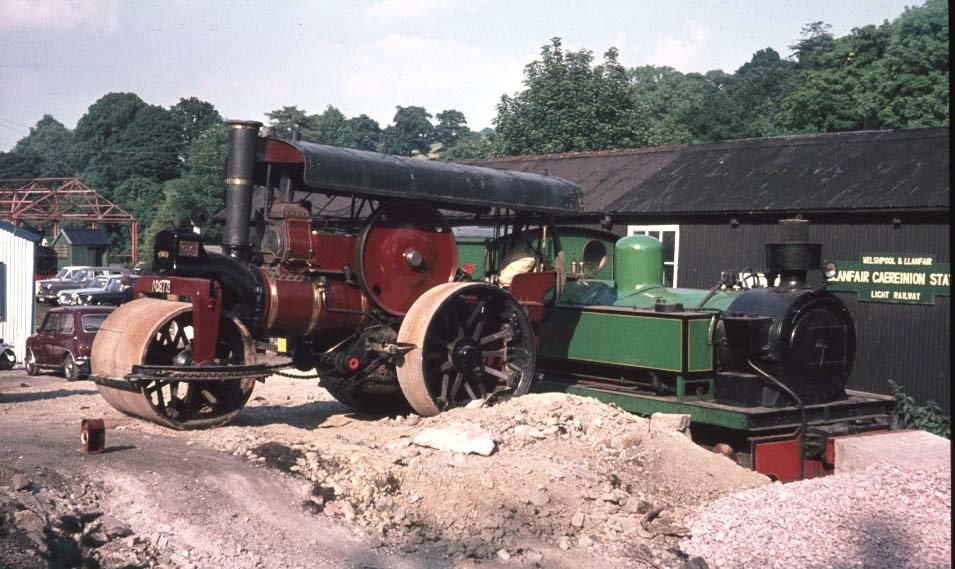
(239, 178)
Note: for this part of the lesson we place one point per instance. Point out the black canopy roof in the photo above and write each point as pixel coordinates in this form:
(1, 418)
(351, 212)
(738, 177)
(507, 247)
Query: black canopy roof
(333, 170)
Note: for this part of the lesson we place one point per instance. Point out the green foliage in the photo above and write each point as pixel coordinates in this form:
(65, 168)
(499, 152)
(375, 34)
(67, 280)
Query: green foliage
(452, 128)
(472, 146)
(193, 117)
(361, 132)
(914, 415)
(325, 128)
(412, 132)
(572, 105)
(140, 197)
(49, 144)
(890, 76)
(287, 122)
(20, 165)
(121, 137)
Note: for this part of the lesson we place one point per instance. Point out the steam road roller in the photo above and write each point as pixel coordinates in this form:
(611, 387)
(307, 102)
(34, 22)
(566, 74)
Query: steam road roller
(351, 257)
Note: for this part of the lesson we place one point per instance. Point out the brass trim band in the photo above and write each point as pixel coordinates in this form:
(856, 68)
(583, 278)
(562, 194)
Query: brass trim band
(236, 181)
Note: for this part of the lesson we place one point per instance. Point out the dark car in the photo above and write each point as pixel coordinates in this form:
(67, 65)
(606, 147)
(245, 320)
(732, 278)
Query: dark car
(64, 341)
(113, 294)
(81, 277)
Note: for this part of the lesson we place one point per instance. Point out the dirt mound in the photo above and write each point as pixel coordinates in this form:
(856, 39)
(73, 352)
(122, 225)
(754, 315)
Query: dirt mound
(567, 478)
(48, 520)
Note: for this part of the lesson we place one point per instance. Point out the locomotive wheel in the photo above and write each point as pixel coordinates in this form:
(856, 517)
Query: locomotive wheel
(157, 332)
(471, 340)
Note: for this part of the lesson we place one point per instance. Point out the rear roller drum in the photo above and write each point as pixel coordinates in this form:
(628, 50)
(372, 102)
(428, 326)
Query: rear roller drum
(471, 340)
(159, 332)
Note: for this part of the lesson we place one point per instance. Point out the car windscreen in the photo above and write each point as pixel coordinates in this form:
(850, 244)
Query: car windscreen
(114, 285)
(79, 275)
(92, 322)
(61, 273)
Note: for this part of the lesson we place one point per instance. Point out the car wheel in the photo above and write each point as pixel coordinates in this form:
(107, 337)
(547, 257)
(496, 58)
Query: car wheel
(71, 371)
(7, 360)
(29, 363)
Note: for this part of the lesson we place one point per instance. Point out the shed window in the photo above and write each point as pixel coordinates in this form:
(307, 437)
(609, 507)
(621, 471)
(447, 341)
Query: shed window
(669, 235)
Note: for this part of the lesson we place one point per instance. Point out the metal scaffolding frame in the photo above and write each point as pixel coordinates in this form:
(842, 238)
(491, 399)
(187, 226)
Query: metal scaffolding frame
(60, 200)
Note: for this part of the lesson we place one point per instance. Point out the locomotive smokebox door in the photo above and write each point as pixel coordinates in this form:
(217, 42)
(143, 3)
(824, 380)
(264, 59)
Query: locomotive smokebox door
(92, 436)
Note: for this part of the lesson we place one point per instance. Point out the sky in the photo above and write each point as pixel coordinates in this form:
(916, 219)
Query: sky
(249, 57)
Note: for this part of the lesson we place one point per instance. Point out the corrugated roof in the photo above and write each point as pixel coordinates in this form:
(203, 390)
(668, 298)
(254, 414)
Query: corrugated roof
(80, 236)
(880, 170)
(19, 231)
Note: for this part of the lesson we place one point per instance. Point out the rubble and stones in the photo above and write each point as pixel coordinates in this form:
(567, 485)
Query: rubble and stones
(881, 517)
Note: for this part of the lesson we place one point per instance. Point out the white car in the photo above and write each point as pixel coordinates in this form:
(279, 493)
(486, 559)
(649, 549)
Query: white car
(64, 274)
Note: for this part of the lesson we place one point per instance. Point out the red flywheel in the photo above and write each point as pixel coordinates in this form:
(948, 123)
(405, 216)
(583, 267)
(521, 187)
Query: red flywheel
(405, 249)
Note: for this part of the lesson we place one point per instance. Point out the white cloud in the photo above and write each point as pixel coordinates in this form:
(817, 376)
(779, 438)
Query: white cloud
(681, 52)
(59, 14)
(628, 51)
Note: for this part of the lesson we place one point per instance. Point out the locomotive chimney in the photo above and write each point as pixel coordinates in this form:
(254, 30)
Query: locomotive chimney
(794, 255)
(239, 173)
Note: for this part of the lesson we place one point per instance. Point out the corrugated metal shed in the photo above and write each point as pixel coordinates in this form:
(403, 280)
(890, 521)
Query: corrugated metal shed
(16, 285)
(866, 170)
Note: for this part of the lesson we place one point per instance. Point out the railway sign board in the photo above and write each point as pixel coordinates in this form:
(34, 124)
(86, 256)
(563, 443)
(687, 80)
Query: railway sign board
(895, 278)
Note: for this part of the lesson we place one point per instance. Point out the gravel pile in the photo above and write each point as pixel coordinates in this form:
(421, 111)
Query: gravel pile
(540, 478)
(881, 517)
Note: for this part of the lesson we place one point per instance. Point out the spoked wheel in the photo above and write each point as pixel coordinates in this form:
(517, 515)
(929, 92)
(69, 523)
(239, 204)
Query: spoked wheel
(471, 340)
(164, 339)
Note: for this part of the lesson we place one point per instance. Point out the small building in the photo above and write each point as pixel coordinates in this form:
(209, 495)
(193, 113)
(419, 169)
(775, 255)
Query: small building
(16, 285)
(81, 246)
(878, 201)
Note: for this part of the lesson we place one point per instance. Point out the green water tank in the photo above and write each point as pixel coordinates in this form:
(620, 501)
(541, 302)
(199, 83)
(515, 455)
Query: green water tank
(638, 260)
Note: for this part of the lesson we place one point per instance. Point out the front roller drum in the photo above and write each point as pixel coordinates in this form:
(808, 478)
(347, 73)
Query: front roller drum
(471, 341)
(151, 332)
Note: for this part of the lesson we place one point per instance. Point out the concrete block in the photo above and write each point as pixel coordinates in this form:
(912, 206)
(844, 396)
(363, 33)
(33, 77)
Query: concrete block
(906, 449)
(669, 423)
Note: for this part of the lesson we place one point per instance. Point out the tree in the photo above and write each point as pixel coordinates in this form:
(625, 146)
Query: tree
(571, 105)
(287, 122)
(193, 116)
(473, 146)
(325, 128)
(119, 137)
(20, 165)
(914, 73)
(412, 132)
(361, 132)
(451, 128)
(890, 76)
(49, 141)
(140, 197)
